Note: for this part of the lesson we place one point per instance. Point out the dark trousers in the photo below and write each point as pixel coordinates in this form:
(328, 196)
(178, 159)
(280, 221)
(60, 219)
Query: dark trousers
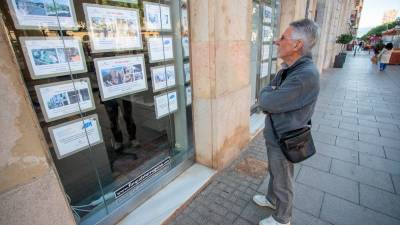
(280, 188)
(382, 66)
(112, 111)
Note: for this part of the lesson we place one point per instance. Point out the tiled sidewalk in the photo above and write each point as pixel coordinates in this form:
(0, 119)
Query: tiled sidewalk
(354, 179)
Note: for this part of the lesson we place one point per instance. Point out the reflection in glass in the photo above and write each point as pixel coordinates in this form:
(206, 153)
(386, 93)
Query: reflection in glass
(264, 29)
(110, 83)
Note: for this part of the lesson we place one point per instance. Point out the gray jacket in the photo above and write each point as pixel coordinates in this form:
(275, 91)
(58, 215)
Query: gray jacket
(290, 103)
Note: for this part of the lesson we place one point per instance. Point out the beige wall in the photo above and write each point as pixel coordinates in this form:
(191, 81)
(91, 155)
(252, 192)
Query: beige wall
(332, 17)
(30, 192)
(291, 10)
(220, 40)
(220, 47)
(335, 23)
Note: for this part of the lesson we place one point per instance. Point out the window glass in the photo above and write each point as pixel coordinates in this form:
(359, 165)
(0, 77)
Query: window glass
(265, 22)
(110, 83)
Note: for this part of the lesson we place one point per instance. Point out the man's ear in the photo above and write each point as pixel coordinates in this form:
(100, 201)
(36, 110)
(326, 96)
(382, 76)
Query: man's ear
(299, 45)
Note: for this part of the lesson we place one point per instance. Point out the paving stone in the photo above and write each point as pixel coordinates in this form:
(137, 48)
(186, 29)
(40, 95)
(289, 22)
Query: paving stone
(396, 183)
(218, 209)
(389, 142)
(308, 199)
(338, 132)
(241, 203)
(365, 110)
(326, 122)
(394, 107)
(262, 189)
(392, 153)
(342, 187)
(381, 164)
(234, 208)
(359, 116)
(255, 213)
(384, 110)
(315, 127)
(324, 137)
(341, 212)
(240, 221)
(358, 128)
(349, 103)
(360, 146)
(318, 161)
(336, 152)
(297, 168)
(381, 201)
(328, 112)
(362, 174)
(242, 187)
(389, 120)
(254, 186)
(302, 218)
(217, 219)
(342, 118)
(195, 216)
(377, 124)
(186, 220)
(318, 115)
(389, 133)
(395, 115)
(382, 113)
(335, 103)
(231, 217)
(250, 191)
(349, 109)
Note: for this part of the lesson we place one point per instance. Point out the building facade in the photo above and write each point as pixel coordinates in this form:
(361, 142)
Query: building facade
(356, 15)
(106, 102)
(389, 16)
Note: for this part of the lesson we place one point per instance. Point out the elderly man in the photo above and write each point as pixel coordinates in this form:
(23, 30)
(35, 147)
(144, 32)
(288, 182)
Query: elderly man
(289, 100)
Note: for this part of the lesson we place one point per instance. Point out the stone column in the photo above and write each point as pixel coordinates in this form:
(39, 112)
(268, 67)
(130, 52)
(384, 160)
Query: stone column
(292, 10)
(220, 54)
(30, 191)
(332, 16)
(332, 34)
(324, 18)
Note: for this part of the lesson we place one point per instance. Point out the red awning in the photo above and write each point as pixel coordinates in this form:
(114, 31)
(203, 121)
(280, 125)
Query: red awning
(390, 32)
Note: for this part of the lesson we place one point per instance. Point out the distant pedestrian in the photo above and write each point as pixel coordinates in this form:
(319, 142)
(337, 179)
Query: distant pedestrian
(354, 44)
(360, 46)
(288, 102)
(384, 56)
(355, 47)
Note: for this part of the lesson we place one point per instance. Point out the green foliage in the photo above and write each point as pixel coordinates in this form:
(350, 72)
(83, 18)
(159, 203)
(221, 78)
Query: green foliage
(378, 30)
(344, 39)
(364, 38)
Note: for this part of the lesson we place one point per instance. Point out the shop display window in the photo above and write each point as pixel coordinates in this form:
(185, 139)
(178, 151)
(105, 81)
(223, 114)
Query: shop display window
(265, 20)
(110, 84)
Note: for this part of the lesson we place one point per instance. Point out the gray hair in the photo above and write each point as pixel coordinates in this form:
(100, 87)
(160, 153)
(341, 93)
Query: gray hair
(307, 31)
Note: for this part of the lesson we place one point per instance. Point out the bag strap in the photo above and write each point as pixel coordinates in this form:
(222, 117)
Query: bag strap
(273, 126)
(283, 74)
(309, 123)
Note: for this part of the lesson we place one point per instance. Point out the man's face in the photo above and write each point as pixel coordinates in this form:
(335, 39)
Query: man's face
(286, 45)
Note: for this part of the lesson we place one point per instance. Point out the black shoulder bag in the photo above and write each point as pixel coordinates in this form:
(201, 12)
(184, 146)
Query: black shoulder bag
(297, 145)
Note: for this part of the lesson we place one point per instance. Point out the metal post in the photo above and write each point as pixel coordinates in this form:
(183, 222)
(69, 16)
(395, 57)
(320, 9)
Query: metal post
(180, 120)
